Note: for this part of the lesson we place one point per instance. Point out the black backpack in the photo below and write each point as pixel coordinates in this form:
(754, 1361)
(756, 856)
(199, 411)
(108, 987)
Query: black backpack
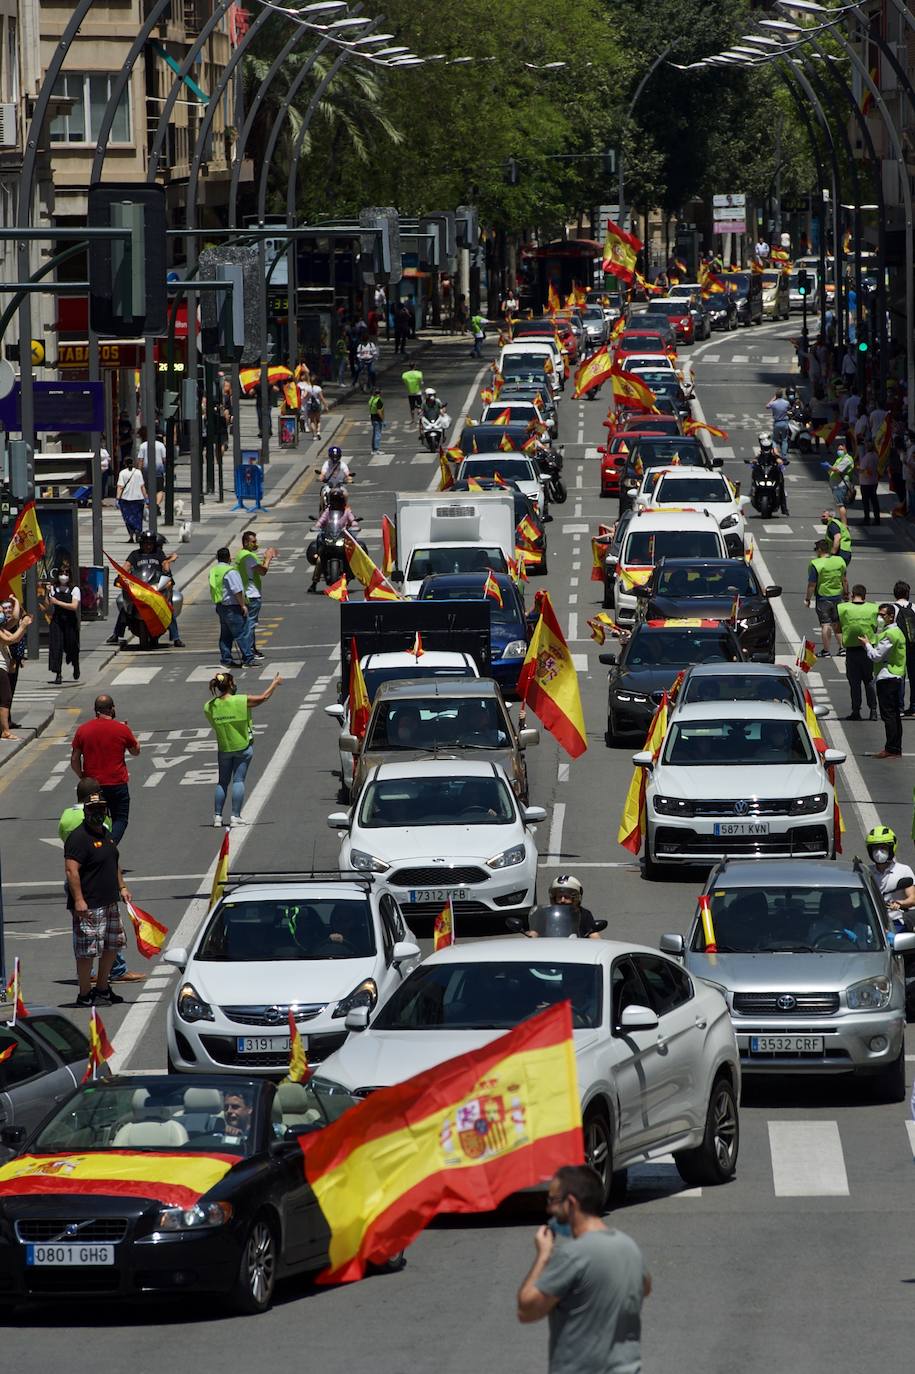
(905, 619)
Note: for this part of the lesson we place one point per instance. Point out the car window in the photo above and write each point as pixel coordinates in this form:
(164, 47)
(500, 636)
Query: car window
(708, 743)
(668, 986)
(306, 928)
(714, 583)
(676, 490)
(647, 547)
(441, 722)
(477, 996)
(439, 559)
(659, 648)
(740, 687)
(391, 803)
(391, 925)
(27, 1060)
(511, 468)
(783, 918)
(626, 989)
(67, 1040)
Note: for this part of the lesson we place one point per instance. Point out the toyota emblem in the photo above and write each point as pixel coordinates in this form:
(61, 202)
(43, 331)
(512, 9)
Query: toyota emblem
(741, 808)
(786, 1002)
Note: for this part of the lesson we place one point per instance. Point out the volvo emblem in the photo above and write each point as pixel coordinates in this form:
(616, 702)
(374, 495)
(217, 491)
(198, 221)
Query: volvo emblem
(273, 1014)
(786, 1002)
(71, 1230)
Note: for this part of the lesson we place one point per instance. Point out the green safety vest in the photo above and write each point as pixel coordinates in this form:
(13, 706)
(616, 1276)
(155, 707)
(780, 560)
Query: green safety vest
(217, 577)
(844, 534)
(895, 660)
(830, 572)
(857, 618)
(376, 407)
(241, 568)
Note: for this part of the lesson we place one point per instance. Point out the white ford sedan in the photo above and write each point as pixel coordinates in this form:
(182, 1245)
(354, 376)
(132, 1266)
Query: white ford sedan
(658, 1066)
(738, 778)
(440, 830)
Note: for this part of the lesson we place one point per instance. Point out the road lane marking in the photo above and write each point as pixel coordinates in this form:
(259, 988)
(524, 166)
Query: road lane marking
(136, 677)
(562, 772)
(778, 529)
(555, 840)
(807, 1159)
(573, 625)
(285, 670)
(581, 662)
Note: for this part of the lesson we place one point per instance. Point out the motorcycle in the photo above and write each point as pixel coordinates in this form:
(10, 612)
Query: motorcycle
(549, 461)
(766, 483)
(799, 435)
(329, 549)
(333, 485)
(135, 624)
(432, 432)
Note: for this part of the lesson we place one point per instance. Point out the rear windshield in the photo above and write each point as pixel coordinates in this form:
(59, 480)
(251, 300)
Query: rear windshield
(438, 722)
(438, 560)
(374, 677)
(512, 469)
(491, 996)
(646, 547)
(677, 491)
(676, 648)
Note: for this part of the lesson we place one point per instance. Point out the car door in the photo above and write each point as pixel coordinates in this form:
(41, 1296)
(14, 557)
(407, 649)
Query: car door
(680, 1040)
(391, 929)
(634, 1062)
(32, 1079)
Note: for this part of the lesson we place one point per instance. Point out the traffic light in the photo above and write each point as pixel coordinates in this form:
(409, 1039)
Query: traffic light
(803, 282)
(862, 345)
(510, 172)
(127, 286)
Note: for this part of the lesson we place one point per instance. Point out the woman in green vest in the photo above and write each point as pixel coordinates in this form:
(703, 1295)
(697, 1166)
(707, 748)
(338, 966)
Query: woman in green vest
(230, 716)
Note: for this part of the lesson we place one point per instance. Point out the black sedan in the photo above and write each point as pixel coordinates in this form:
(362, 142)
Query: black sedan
(165, 1185)
(708, 588)
(650, 660)
(722, 310)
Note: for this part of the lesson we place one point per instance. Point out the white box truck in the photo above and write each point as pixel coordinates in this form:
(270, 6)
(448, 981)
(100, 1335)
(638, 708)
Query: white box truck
(452, 532)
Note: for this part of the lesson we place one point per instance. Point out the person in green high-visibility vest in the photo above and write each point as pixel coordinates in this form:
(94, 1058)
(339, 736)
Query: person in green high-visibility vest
(889, 652)
(857, 618)
(227, 593)
(827, 581)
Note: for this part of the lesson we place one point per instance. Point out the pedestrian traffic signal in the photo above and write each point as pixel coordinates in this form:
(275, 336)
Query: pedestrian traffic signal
(862, 345)
(803, 282)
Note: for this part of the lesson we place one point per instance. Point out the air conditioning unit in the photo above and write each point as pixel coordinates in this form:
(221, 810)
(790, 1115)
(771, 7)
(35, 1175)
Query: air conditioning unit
(8, 138)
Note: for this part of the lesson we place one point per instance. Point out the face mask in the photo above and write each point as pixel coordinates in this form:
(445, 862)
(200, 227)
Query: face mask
(882, 856)
(64, 581)
(560, 1229)
(94, 819)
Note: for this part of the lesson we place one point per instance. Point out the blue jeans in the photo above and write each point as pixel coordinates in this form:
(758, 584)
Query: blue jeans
(233, 629)
(232, 769)
(377, 427)
(780, 433)
(254, 610)
(173, 633)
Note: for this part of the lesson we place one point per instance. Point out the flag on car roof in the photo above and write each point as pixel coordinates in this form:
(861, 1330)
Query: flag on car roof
(339, 590)
(359, 706)
(100, 1047)
(13, 993)
(492, 589)
(459, 1137)
(819, 740)
(630, 391)
(808, 656)
(621, 251)
(548, 682)
(417, 648)
(26, 546)
(474, 486)
(150, 933)
(299, 1071)
(632, 824)
(443, 928)
(151, 606)
(378, 588)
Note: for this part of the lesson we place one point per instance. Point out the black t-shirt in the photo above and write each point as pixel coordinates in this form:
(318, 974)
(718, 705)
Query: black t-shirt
(146, 565)
(97, 856)
(586, 923)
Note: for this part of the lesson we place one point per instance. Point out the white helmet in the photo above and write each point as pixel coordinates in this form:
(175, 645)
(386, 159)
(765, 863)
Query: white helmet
(430, 390)
(565, 882)
(765, 441)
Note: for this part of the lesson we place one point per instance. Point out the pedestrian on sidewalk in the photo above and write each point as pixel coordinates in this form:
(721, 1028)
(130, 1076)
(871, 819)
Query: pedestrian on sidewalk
(99, 750)
(340, 358)
(828, 583)
(142, 458)
(227, 593)
(94, 885)
(838, 534)
(10, 620)
(890, 652)
(313, 405)
(366, 360)
(588, 1279)
(403, 319)
(229, 714)
(412, 379)
(63, 630)
(9, 638)
(131, 498)
(376, 415)
(867, 480)
(905, 619)
(252, 567)
(857, 619)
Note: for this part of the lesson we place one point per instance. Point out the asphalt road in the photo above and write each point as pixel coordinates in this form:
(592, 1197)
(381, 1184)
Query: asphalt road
(804, 1262)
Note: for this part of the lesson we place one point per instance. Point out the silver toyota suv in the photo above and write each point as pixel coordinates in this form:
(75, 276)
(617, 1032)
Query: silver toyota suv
(801, 951)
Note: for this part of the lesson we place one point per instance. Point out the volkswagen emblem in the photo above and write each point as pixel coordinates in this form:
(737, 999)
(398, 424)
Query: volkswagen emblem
(786, 1002)
(741, 808)
(273, 1015)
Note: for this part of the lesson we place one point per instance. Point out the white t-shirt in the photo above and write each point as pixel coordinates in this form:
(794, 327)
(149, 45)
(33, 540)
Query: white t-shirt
(160, 456)
(75, 596)
(130, 485)
(894, 878)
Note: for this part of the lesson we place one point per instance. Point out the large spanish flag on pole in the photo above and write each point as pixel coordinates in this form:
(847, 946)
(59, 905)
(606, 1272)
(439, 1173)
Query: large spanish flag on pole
(152, 607)
(593, 372)
(632, 823)
(359, 706)
(548, 682)
(26, 546)
(621, 251)
(366, 571)
(459, 1137)
(630, 391)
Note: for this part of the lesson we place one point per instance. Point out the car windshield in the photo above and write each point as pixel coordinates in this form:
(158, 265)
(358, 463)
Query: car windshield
(513, 469)
(161, 1115)
(490, 996)
(248, 932)
(392, 803)
(659, 381)
(594, 312)
(738, 282)
(646, 547)
(439, 560)
(675, 648)
(711, 583)
(522, 411)
(686, 452)
(438, 723)
(802, 920)
(674, 491)
(655, 424)
(739, 687)
(668, 307)
(642, 343)
(711, 743)
(374, 677)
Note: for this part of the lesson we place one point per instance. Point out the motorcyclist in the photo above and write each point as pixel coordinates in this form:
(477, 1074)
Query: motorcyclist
(334, 471)
(432, 406)
(767, 455)
(895, 880)
(566, 890)
(337, 507)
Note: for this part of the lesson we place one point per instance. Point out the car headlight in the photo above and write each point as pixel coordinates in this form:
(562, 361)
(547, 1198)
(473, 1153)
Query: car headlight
(631, 696)
(194, 1218)
(873, 994)
(802, 806)
(516, 648)
(673, 806)
(728, 522)
(365, 995)
(508, 858)
(191, 1006)
(367, 863)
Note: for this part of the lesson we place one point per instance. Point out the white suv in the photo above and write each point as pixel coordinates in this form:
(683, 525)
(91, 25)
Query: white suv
(655, 534)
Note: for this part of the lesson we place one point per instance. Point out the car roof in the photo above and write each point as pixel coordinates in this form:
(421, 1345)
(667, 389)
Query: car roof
(261, 891)
(738, 710)
(686, 520)
(470, 581)
(33, 1009)
(438, 687)
(518, 949)
(741, 669)
(439, 768)
(797, 872)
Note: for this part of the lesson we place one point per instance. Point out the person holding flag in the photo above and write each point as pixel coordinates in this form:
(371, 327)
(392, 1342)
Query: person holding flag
(229, 714)
(9, 637)
(94, 885)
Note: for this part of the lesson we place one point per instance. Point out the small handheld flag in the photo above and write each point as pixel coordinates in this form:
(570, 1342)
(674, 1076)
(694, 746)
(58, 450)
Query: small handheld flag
(807, 657)
(359, 706)
(492, 589)
(299, 1071)
(443, 930)
(150, 934)
(100, 1047)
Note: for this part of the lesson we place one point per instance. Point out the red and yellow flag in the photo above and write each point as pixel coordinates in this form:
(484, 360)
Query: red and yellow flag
(487, 394)
(526, 531)
(176, 1178)
(621, 251)
(632, 825)
(149, 932)
(417, 649)
(779, 255)
(26, 546)
(593, 372)
(7, 1053)
(221, 876)
(553, 303)
(359, 705)
(694, 426)
(828, 433)
(446, 476)
(492, 589)
(458, 1137)
(600, 624)
(548, 682)
(503, 417)
(443, 928)
(13, 993)
(708, 925)
(365, 570)
(598, 551)
(388, 545)
(151, 606)
(474, 486)
(507, 444)
(630, 391)
(808, 656)
(100, 1047)
(819, 740)
(338, 591)
(299, 1071)
(380, 589)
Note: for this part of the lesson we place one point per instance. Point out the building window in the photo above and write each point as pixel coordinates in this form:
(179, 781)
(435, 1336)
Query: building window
(90, 92)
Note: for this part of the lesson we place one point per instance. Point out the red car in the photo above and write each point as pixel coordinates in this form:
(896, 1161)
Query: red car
(640, 341)
(675, 310)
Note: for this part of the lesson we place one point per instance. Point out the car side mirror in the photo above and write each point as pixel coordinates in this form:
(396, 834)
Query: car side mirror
(349, 744)
(773, 592)
(638, 1018)
(396, 576)
(671, 944)
(338, 820)
(177, 955)
(820, 711)
(336, 712)
(717, 462)
(608, 659)
(643, 759)
(357, 1019)
(903, 943)
(528, 737)
(833, 757)
(15, 1135)
(601, 924)
(403, 950)
(631, 496)
(533, 814)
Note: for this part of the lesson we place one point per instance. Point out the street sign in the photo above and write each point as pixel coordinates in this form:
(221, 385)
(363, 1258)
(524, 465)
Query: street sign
(60, 407)
(730, 202)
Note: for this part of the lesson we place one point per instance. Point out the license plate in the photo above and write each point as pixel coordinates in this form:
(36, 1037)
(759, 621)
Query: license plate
(78, 1256)
(438, 894)
(741, 827)
(263, 1044)
(786, 1044)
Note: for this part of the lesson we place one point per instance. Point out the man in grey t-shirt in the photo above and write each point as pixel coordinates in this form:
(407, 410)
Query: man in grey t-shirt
(590, 1282)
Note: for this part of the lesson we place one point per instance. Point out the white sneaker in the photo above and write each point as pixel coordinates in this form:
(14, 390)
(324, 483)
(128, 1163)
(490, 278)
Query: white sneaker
(237, 820)
(217, 822)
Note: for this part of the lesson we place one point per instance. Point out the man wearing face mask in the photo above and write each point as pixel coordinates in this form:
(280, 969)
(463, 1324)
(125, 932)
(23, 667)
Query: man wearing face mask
(94, 886)
(895, 880)
(889, 653)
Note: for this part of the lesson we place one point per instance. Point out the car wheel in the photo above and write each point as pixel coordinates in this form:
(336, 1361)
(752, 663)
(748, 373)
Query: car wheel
(389, 1266)
(613, 735)
(607, 599)
(889, 1083)
(253, 1291)
(653, 872)
(598, 1140)
(715, 1160)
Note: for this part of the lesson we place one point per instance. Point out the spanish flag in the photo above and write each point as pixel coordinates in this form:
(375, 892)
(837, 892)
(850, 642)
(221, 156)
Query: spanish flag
(503, 418)
(650, 288)
(443, 929)
(487, 395)
(174, 1178)
(389, 546)
(474, 486)
(417, 649)
(708, 925)
(712, 285)
(526, 531)
(598, 550)
(828, 433)
(458, 1137)
(779, 255)
(299, 1071)
(365, 571)
(338, 591)
(630, 391)
(100, 1047)
(867, 101)
(756, 267)
(600, 624)
(632, 824)
(13, 993)
(621, 251)
(492, 589)
(26, 546)
(455, 454)
(379, 588)
(7, 1053)
(808, 656)
(507, 444)
(221, 876)
(359, 707)
(819, 740)
(151, 606)
(149, 932)
(593, 372)
(548, 682)
(446, 476)
(553, 303)
(694, 426)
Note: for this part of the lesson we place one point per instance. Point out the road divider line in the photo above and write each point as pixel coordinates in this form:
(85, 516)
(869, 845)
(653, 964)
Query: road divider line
(807, 1159)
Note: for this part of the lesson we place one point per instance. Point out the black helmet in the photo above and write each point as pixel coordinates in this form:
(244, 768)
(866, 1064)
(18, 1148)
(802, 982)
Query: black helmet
(337, 499)
(335, 453)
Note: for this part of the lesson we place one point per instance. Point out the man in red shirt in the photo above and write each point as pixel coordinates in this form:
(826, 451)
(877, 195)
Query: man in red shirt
(98, 751)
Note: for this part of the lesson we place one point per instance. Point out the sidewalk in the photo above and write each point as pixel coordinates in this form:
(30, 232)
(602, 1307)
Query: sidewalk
(37, 700)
